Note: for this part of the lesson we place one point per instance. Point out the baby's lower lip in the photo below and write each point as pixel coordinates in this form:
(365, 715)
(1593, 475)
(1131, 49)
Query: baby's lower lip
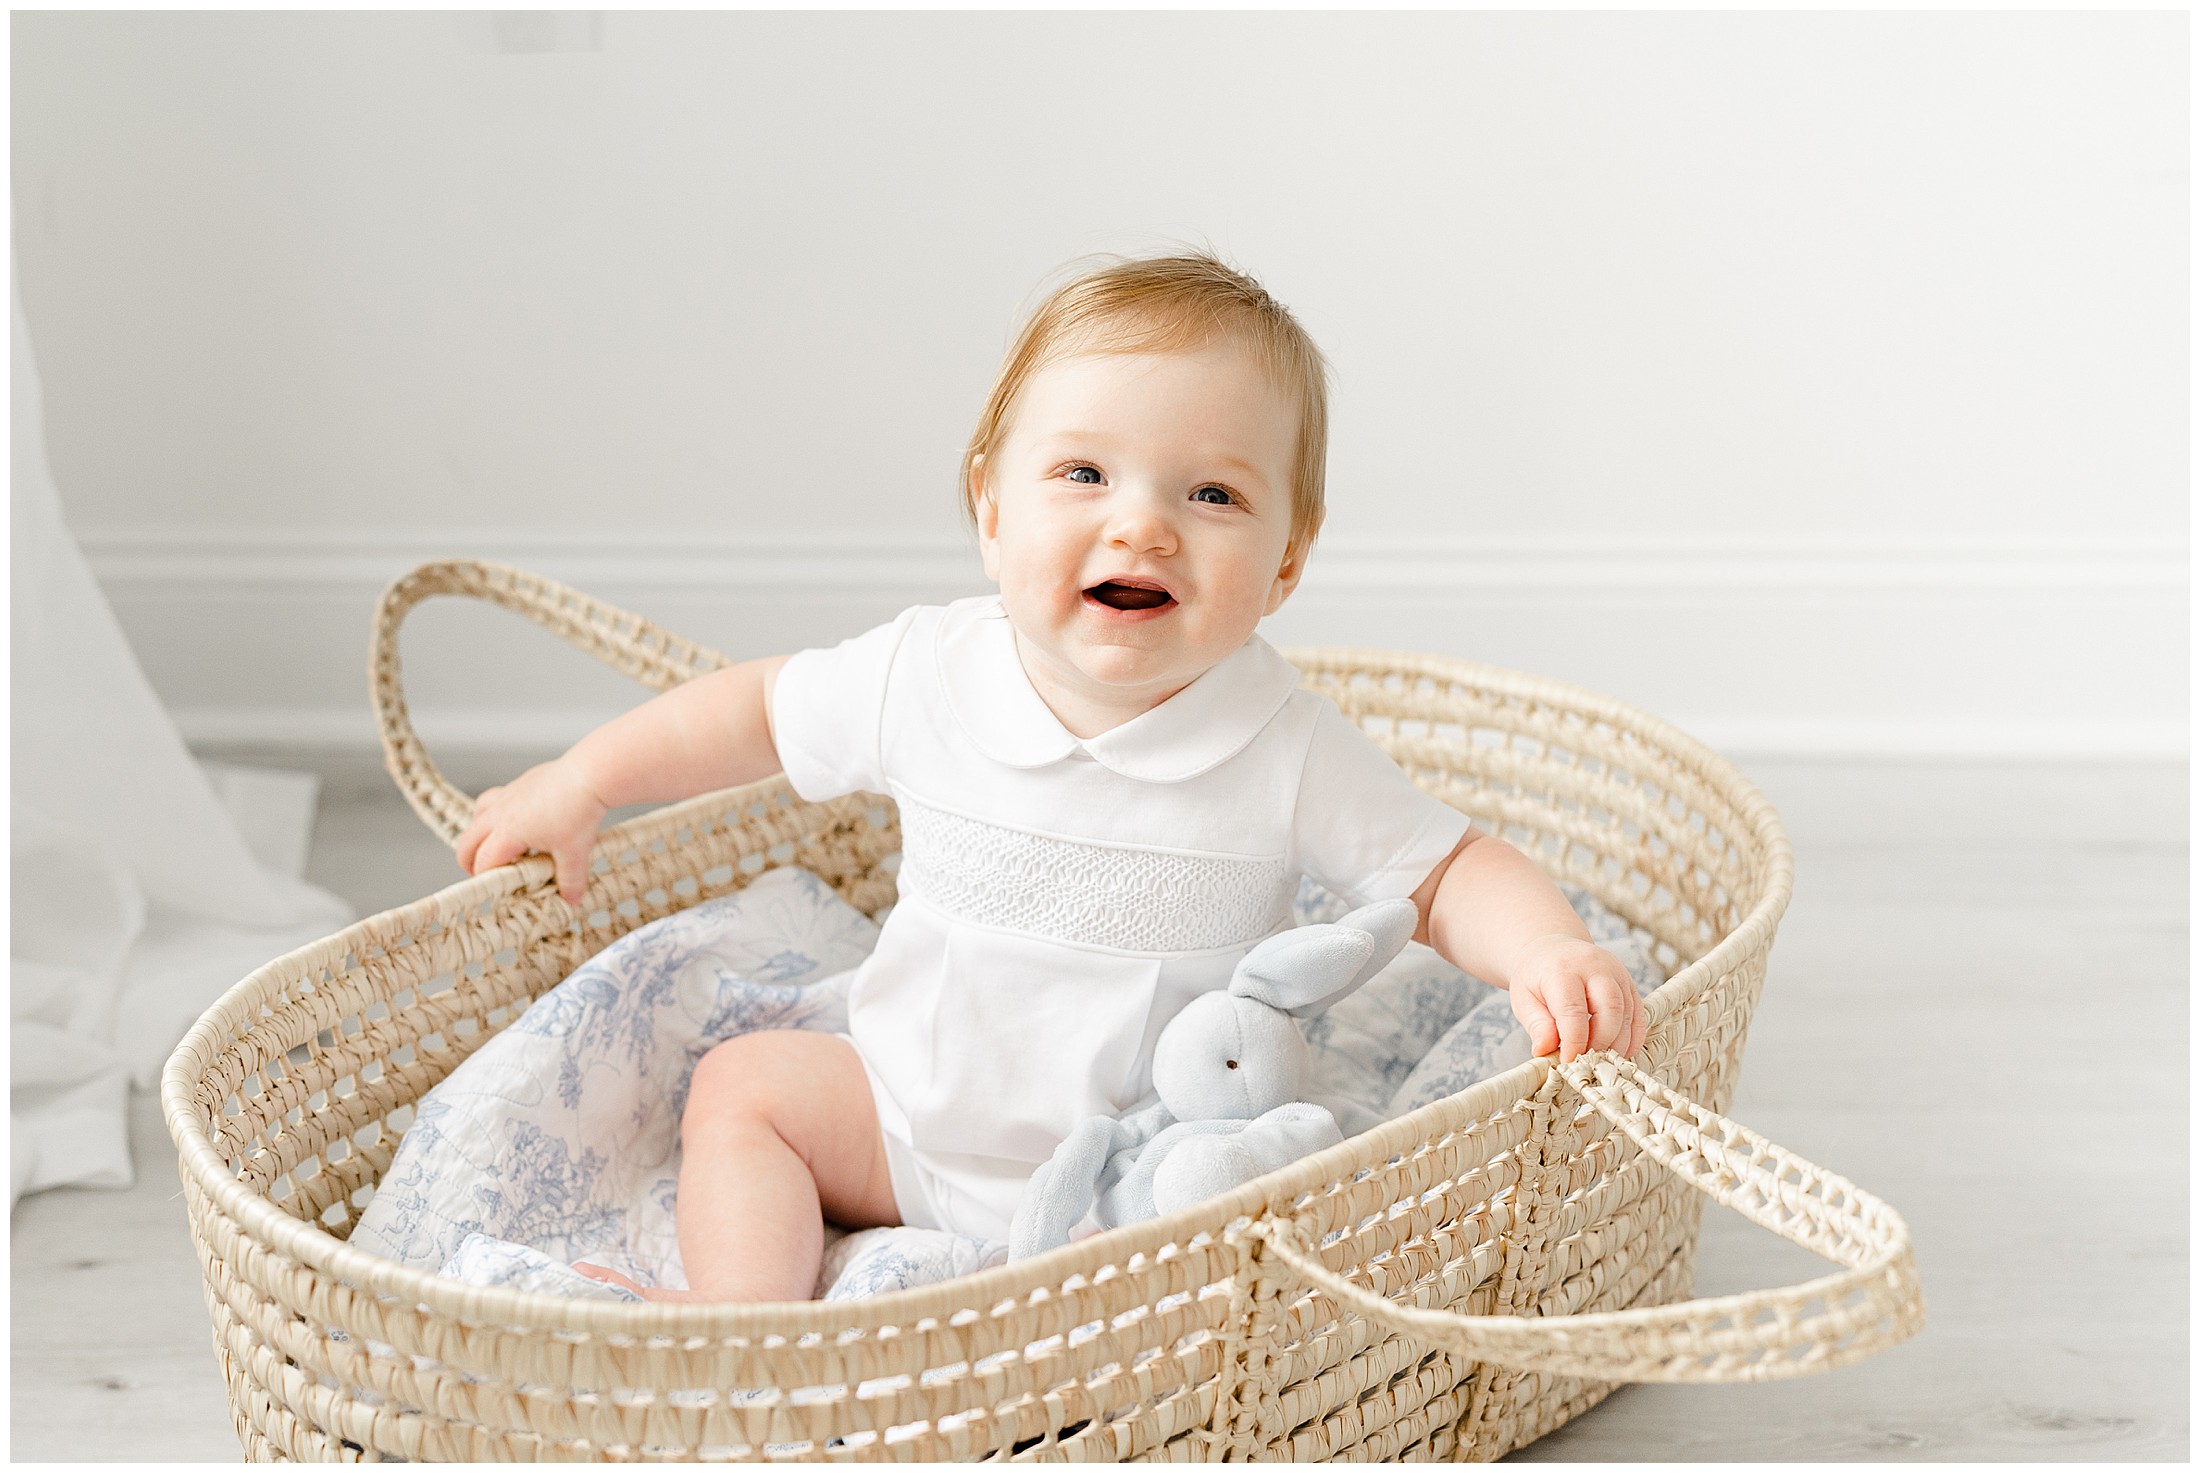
(1125, 616)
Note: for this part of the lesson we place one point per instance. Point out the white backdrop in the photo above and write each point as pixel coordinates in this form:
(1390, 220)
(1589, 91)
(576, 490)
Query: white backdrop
(1818, 381)
(140, 885)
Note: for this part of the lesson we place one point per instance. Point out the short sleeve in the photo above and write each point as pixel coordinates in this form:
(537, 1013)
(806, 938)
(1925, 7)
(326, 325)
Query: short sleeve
(1361, 828)
(828, 708)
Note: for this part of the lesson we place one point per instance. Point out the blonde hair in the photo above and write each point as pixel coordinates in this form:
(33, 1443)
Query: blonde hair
(1169, 304)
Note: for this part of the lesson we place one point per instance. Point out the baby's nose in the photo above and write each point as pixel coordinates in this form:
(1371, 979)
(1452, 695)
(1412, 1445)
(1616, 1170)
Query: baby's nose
(1142, 529)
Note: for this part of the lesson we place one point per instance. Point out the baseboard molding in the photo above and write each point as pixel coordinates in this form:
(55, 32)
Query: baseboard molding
(1817, 649)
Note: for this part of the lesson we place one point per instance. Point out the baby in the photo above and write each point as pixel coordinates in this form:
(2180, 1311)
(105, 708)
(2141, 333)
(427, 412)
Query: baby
(1108, 788)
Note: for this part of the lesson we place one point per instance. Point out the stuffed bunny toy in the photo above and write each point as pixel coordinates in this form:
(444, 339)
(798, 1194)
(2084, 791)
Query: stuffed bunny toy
(1229, 1086)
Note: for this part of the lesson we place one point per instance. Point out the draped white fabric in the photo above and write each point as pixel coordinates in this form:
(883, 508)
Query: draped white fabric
(136, 898)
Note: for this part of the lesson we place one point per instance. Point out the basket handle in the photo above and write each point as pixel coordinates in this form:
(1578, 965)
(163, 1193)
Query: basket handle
(627, 642)
(1769, 1334)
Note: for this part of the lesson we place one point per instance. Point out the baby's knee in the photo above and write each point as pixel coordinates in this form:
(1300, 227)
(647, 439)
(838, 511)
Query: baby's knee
(738, 1080)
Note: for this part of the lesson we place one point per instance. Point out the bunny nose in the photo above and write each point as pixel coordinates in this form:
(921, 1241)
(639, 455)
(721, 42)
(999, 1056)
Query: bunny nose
(1233, 1063)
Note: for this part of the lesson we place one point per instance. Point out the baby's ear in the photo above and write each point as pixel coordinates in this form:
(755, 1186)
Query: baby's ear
(985, 514)
(1309, 969)
(1287, 577)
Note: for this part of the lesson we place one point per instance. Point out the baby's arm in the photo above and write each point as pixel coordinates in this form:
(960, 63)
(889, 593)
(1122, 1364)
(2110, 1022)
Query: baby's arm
(713, 732)
(1489, 911)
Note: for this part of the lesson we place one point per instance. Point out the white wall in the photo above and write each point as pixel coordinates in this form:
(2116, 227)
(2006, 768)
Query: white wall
(1818, 381)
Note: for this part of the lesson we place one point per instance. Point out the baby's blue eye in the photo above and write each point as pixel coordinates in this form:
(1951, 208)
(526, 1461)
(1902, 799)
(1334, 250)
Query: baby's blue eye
(1213, 495)
(1077, 471)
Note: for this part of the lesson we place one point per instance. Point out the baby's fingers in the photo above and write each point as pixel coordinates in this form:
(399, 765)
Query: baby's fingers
(502, 846)
(1566, 1002)
(469, 840)
(1609, 1014)
(478, 828)
(572, 862)
(1570, 1010)
(1533, 1016)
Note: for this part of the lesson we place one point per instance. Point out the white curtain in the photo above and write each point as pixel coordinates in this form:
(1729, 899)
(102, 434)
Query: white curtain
(136, 896)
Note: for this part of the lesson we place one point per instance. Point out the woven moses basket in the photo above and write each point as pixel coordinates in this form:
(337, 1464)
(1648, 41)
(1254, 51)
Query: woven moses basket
(1453, 1284)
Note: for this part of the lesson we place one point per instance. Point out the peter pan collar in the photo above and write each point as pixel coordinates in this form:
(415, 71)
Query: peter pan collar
(1199, 728)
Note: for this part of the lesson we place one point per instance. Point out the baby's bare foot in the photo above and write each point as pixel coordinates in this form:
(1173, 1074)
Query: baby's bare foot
(604, 1275)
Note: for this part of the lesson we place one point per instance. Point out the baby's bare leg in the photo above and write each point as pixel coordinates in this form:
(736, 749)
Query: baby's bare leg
(779, 1134)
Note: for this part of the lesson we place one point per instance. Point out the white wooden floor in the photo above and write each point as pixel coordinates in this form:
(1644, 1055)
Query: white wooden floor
(1977, 1008)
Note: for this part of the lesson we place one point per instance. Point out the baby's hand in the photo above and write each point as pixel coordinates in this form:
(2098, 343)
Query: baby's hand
(549, 810)
(1573, 996)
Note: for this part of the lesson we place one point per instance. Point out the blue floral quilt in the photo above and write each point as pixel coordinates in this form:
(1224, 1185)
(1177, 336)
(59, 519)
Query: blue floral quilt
(558, 1139)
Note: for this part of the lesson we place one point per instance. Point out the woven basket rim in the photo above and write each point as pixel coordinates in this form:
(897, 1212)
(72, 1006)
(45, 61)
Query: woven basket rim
(308, 1243)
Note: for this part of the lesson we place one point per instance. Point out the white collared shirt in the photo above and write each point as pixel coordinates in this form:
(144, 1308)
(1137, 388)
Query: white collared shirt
(1062, 898)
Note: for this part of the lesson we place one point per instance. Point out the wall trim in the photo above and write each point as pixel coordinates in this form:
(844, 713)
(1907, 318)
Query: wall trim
(179, 559)
(292, 596)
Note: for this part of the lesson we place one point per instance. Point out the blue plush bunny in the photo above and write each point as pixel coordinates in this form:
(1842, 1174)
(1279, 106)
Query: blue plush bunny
(1229, 1077)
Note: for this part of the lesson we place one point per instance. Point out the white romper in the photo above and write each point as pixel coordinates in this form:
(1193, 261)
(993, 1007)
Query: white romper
(1061, 899)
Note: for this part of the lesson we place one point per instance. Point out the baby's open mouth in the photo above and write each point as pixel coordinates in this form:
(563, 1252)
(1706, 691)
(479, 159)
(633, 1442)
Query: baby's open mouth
(1129, 596)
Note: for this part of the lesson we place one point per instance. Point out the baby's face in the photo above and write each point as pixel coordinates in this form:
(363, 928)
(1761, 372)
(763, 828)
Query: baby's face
(1136, 518)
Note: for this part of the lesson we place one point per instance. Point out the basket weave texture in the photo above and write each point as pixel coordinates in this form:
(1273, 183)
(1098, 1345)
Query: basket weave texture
(1453, 1284)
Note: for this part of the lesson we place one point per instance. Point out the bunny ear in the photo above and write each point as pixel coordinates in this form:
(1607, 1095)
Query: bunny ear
(1311, 968)
(1390, 924)
(1062, 1191)
(1300, 970)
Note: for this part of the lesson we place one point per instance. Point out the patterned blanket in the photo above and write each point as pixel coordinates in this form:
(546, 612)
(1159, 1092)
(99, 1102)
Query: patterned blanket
(558, 1139)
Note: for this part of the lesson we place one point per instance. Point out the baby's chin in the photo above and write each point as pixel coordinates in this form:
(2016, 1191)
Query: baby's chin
(1132, 670)
(1124, 663)
(1145, 675)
